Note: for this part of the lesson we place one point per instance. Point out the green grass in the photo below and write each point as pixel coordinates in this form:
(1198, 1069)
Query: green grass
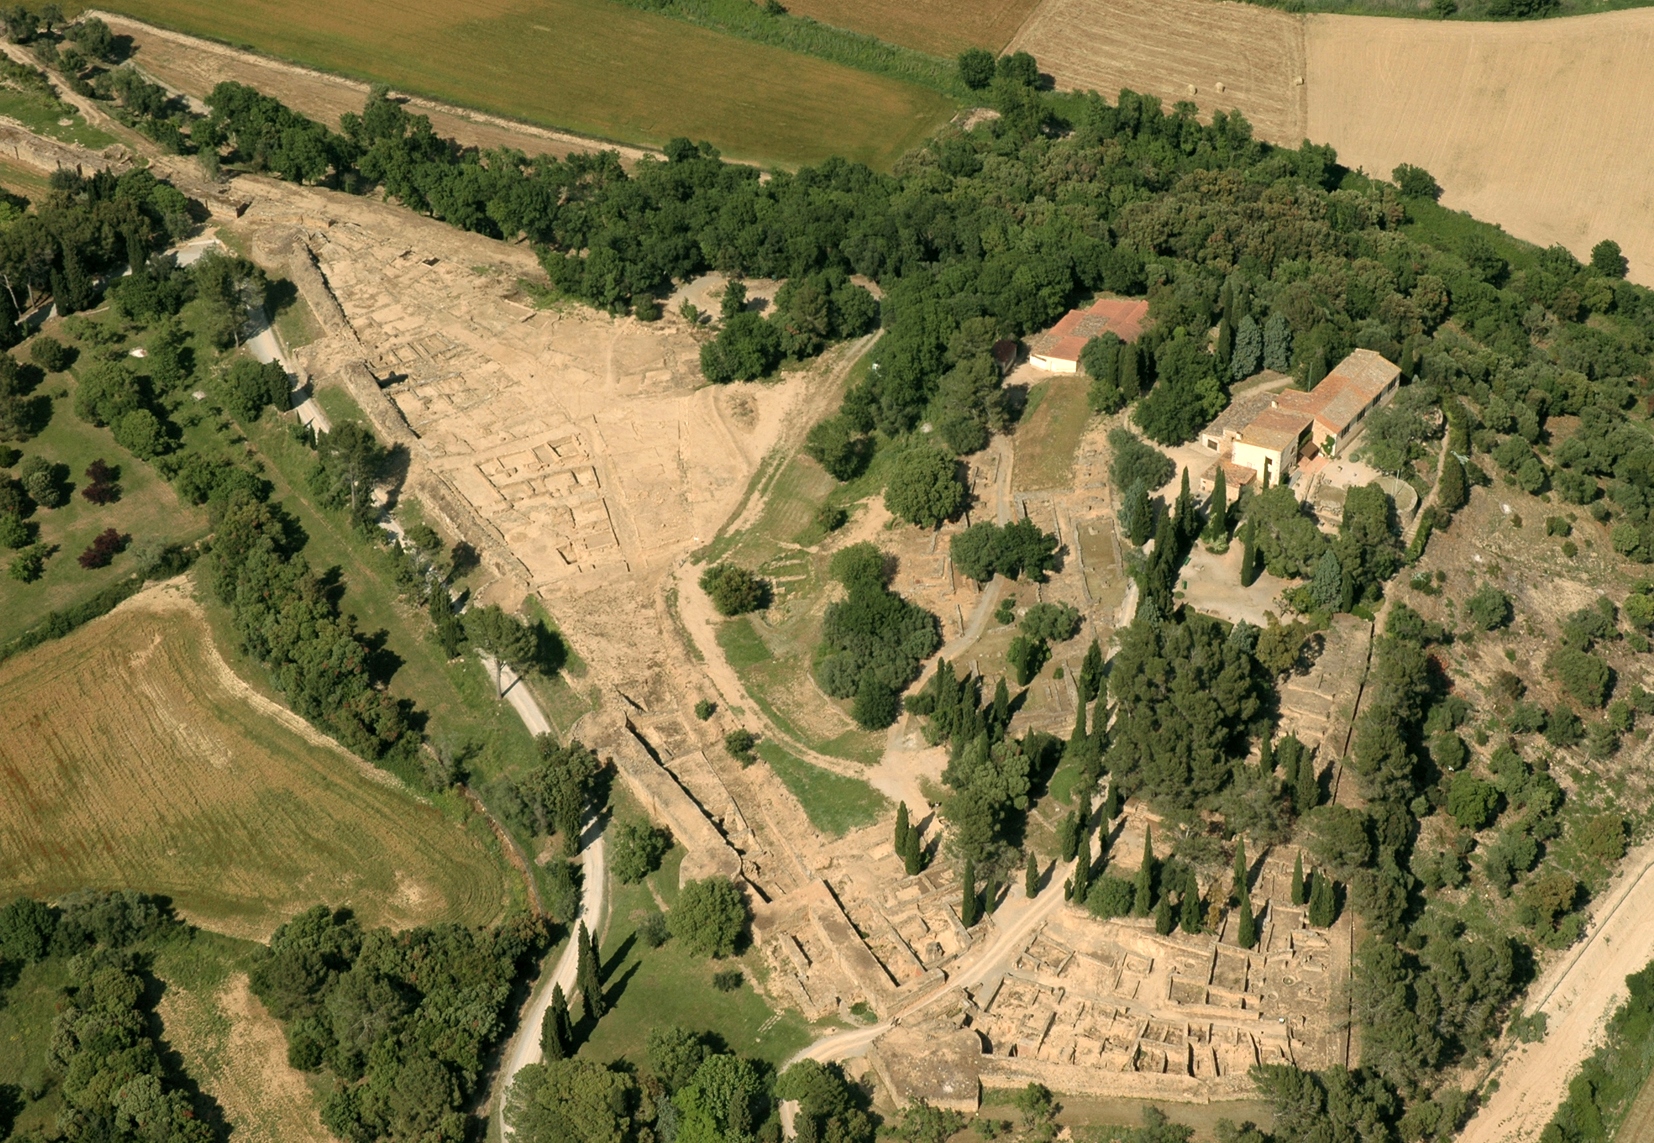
(742, 644)
(27, 1012)
(44, 114)
(147, 510)
(655, 988)
(1049, 434)
(591, 66)
(835, 804)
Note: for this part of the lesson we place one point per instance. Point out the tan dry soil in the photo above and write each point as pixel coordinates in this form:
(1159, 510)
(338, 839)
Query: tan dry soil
(1534, 125)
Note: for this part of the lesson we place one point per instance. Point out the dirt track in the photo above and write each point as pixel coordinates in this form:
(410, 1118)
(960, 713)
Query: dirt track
(1577, 996)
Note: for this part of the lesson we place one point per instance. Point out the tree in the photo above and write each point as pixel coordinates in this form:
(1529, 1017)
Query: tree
(1132, 460)
(1471, 801)
(571, 1101)
(1323, 905)
(747, 347)
(51, 354)
(1090, 682)
(106, 392)
(504, 638)
(1217, 521)
(1239, 888)
(1277, 344)
(1583, 675)
(913, 856)
(1143, 889)
(924, 487)
(586, 974)
(902, 829)
(349, 460)
(555, 1041)
(1246, 926)
(1186, 395)
(140, 432)
(976, 68)
(636, 849)
(1137, 515)
(674, 1055)
(1452, 490)
(1164, 920)
(1416, 182)
(710, 918)
(1249, 553)
(1026, 656)
(26, 930)
(44, 482)
(734, 590)
(1300, 889)
(1607, 260)
(1247, 357)
(1031, 877)
(249, 387)
(835, 445)
(968, 904)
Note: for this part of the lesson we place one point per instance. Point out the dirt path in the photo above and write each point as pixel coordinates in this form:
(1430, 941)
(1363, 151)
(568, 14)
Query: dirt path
(524, 1048)
(1577, 996)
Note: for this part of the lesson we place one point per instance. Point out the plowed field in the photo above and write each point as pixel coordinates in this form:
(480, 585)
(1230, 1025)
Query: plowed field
(132, 757)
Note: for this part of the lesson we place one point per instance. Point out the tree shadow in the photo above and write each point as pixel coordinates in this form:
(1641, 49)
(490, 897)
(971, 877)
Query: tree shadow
(382, 662)
(204, 1107)
(607, 969)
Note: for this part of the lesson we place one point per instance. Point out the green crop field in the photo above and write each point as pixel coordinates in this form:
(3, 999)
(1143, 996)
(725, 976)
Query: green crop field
(135, 760)
(589, 66)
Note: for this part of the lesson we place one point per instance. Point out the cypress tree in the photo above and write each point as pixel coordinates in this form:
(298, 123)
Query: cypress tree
(1308, 794)
(1082, 867)
(553, 1025)
(1143, 891)
(1452, 493)
(1225, 346)
(10, 332)
(1186, 522)
(1137, 514)
(1091, 674)
(1266, 755)
(1164, 923)
(967, 903)
(1068, 835)
(901, 830)
(1084, 811)
(1249, 554)
(1111, 803)
(1300, 891)
(1246, 930)
(1030, 877)
(990, 894)
(1002, 710)
(1130, 386)
(585, 974)
(1240, 868)
(1217, 520)
(1189, 914)
(1322, 905)
(913, 857)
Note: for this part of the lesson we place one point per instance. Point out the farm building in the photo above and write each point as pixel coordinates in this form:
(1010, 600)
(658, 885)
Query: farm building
(1269, 433)
(1057, 350)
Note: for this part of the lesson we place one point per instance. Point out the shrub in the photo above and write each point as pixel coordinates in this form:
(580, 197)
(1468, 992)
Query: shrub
(15, 532)
(652, 930)
(1416, 182)
(985, 549)
(44, 482)
(250, 386)
(1133, 461)
(1026, 657)
(838, 447)
(1583, 675)
(831, 517)
(734, 590)
(51, 354)
(104, 548)
(876, 704)
(1052, 622)
(102, 483)
(704, 709)
(728, 979)
(924, 487)
(739, 742)
(29, 564)
(976, 68)
(1110, 897)
(1488, 608)
(107, 391)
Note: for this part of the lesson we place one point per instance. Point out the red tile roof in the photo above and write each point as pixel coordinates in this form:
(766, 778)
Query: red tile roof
(1125, 317)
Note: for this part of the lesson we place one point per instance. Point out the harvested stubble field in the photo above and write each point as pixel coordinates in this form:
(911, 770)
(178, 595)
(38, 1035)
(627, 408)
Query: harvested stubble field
(586, 66)
(940, 26)
(1219, 56)
(1529, 125)
(134, 758)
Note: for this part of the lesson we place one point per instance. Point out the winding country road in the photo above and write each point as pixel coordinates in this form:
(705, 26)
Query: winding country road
(1577, 995)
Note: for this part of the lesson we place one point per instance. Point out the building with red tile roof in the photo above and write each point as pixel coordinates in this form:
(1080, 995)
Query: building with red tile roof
(1057, 350)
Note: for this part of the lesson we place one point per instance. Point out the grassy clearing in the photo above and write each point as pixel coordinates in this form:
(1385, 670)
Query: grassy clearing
(27, 1011)
(835, 804)
(20, 178)
(135, 761)
(1049, 435)
(652, 988)
(577, 64)
(147, 510)
(38, 109)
